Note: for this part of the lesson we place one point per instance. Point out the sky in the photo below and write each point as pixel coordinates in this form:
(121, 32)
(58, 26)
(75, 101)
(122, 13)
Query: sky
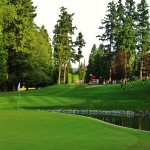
(87, 18)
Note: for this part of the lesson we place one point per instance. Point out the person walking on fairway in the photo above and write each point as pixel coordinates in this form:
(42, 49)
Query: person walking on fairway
(131, 87)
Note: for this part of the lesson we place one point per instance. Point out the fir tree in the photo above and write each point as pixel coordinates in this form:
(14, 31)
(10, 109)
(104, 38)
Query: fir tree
(80, 43)
(143, 32)
(62, 41)
(109, 25)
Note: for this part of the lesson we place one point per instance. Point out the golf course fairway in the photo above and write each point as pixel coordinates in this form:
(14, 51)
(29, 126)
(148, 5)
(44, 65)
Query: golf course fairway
(24, 127)
(37, 130)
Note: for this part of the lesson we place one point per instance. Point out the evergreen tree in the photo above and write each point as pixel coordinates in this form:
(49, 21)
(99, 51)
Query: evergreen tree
(127, 44)
(82, 72)
(109, 25)
(79, 43)
(130, 10)
(120, 19)
(101, 63)
(98, 64)
(91, 66)
(125, 34)
(62, 41)
(143, 32)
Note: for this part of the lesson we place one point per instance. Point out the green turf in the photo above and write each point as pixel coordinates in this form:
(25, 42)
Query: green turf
(107, 97)
(32, 129)
(35, 130)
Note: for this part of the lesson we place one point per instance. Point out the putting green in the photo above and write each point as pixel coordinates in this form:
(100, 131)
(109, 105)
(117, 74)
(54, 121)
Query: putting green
(33, 130)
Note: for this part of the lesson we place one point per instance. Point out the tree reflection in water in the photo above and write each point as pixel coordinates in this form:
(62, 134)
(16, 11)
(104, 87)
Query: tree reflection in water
(136, 122)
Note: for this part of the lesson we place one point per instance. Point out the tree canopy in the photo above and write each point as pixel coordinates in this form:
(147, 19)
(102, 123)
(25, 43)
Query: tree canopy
(29, 56)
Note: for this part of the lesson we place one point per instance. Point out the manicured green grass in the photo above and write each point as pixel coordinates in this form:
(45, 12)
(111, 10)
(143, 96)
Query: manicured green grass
(35, 130)
(105, 97)
(32, 129)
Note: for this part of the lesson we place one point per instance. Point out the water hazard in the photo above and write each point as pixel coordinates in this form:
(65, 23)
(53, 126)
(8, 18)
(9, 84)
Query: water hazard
(128, 119)
(136, 122)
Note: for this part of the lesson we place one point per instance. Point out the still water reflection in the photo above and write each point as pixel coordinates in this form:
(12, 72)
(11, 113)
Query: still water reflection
(128, 119)
(136, 122)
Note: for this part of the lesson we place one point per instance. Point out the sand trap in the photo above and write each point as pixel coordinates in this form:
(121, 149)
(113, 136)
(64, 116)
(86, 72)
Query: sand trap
(93, 86)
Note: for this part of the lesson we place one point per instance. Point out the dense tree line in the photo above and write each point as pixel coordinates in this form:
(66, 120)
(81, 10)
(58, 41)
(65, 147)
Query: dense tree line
(26, 52)
(125, 47)
(29, 56)
(25, 49)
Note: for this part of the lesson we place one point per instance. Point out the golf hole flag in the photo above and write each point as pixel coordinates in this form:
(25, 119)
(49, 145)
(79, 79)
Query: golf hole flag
(18, 87)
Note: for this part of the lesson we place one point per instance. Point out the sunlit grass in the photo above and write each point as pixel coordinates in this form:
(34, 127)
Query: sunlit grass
(41, 130)
(28, 129)
(108, 97)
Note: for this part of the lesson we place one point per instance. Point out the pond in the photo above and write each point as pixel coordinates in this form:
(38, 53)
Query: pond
(128, 119)
(136, 122)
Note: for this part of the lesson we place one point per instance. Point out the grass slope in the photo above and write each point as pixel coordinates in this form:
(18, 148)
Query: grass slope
(30, 130)
(106, 97)
(26, 129)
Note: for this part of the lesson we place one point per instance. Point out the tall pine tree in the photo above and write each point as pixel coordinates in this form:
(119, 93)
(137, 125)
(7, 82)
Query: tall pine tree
(91, 66)
(143, 32)
(62, 41)
(109, 25)
(80, 42)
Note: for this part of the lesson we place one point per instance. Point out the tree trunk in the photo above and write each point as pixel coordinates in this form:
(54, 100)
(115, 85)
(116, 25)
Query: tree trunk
(13, 86)
(141, 68)
(125, 67)
(4, 86)
(65, 66)
(110, 72)
(79, 63)
(125, 72)
(59, 73)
